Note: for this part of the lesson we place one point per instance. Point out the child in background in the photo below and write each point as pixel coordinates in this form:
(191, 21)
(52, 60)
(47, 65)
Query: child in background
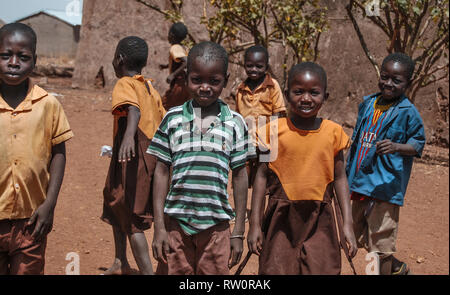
(388, 134)
(137, 110)
(201, 140)
(258, 96)
(33, 133)
(298, 234)
(177, 93)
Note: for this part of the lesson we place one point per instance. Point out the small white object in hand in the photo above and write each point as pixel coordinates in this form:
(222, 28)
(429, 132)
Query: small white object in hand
(106, 151)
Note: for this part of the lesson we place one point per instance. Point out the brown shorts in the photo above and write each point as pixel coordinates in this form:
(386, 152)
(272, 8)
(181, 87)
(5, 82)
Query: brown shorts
(205, 253)
(20, 254)
(376, 230)
(127, 194)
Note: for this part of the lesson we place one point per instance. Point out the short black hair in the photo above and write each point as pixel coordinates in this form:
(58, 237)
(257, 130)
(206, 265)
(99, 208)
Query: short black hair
(135, 51)
(20, 28)
(308, 67)
(208, 51)
(257, 48)
(403, 59)
(179, 31)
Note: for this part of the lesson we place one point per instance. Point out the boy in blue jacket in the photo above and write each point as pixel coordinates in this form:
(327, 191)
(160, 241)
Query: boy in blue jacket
(388, 134)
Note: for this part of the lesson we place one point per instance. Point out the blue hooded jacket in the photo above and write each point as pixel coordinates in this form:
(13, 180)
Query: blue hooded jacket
(385, 177)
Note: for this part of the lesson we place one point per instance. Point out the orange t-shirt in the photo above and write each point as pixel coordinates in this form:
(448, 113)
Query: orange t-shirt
(132, 91)
(303, 160)
(28, 134)
(266, 100)
(176, 52)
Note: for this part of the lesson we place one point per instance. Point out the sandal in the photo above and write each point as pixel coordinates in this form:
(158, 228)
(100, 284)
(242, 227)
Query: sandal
(403, 270)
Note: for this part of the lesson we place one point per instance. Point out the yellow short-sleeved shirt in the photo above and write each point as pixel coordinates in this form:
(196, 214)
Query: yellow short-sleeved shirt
(176, 52)
(266, 100)
(27, 135)
(303, 160)
(132, 91)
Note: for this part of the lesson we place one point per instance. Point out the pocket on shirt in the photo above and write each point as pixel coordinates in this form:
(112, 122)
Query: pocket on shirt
(396, 135)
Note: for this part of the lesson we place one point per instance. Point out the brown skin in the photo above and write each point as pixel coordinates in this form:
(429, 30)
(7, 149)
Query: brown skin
(306, 94)
(138, 241)
(205, 83)
(393, 84)
(17, 61)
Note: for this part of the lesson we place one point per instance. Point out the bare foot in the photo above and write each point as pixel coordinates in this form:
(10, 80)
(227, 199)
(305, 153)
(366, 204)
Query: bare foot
(118, 269)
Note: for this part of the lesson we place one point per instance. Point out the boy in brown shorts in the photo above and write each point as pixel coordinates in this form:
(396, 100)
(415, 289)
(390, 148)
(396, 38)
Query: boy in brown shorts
(34, 129)
(137, 111)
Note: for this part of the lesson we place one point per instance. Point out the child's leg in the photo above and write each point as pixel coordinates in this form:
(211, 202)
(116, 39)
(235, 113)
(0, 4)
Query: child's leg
(139, 247)
(120, 265)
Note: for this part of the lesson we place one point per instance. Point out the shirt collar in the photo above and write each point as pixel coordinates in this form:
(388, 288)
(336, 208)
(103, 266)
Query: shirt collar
(188, 111)
(34, 93)
(265, 84)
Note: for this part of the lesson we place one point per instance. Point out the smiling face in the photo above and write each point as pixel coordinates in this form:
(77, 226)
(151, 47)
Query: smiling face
(306, 94)
(206, 80)
(17, 58)
(255, 65)
(393, 80)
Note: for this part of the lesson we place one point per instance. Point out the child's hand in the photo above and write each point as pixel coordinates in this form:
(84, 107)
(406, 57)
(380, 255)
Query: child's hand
(254, 240)
(350, 239)
(43, 217)
(127, 149)
(237, 246)
(386, 146)
(160, 245)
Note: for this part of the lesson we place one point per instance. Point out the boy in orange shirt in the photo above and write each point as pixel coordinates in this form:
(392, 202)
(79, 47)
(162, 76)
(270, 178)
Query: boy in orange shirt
(177, 93)
(34, 129)
(259, 95)
(306, 166)
(137, 111)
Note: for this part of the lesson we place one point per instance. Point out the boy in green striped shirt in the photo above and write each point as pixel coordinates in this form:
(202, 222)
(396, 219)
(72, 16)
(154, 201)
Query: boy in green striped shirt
(201, 140)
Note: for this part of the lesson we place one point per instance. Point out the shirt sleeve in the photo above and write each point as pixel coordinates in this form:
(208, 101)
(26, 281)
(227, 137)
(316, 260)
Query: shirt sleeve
(160, 145)
(277, 98)
(61, 130)
(341, 140)
(415, 132)
(123, 94)
(177, 52)
(241, 150)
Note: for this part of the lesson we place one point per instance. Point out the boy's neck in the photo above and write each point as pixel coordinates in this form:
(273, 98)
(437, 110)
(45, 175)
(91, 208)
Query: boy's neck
(383, 101)
(312, 123)
(211, 110)
(253, 84)
(14, 94)
(131, 73)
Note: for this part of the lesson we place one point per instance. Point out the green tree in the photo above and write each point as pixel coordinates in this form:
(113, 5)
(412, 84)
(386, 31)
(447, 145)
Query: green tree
(418, 28)
(239, 24)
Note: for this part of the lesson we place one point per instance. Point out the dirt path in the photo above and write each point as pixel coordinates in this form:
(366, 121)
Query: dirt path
(423, 239)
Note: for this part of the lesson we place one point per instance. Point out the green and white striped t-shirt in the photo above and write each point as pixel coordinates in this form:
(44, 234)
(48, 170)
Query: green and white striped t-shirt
(198, 196)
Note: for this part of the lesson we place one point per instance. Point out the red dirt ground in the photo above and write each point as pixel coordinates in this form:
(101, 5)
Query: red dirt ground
(423, 239)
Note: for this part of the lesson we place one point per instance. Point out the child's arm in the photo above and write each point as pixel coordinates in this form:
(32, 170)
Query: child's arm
(240, 188)
(255, 236)
(127, 147)
(160, 245)
(43, 216)
(178, 70)
(343, 196)
(386, 146)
